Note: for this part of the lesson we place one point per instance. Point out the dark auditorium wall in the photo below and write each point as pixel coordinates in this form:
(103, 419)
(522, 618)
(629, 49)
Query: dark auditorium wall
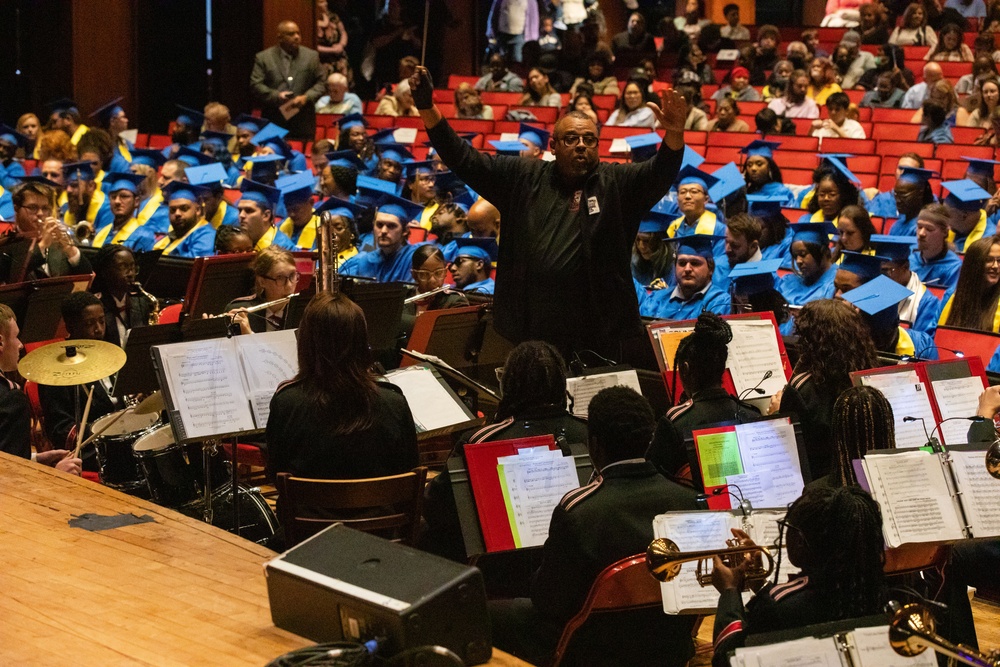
(103, 63)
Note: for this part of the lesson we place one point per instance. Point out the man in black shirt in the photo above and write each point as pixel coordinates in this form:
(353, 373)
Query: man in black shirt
(568, 226)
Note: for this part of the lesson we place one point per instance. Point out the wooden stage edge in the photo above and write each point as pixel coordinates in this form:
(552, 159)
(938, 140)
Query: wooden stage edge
(175, 591)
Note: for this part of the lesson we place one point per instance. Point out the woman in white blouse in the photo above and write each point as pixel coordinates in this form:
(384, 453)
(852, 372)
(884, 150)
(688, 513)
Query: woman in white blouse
(914, 31)
(632, 110)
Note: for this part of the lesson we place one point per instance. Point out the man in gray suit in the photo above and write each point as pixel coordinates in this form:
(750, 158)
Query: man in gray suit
(289, 75)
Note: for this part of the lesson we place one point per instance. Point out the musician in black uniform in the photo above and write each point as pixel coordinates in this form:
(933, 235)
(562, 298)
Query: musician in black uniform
(835, 537)
(591, 528)
(125, 308)
(275, 277)
(62, 407)
(701, 361)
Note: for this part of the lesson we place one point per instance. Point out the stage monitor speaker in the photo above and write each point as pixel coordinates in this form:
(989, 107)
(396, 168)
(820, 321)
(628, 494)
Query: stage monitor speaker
(345, 585)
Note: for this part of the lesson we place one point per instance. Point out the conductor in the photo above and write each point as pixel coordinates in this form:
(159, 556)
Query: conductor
(568, 226)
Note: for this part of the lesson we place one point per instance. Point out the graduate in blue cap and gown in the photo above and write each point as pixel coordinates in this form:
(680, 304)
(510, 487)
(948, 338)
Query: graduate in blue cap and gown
(836, 187)
(123, 189)
(353, 135)
(216, 145)
(934, 262)
(762, 174)
(340, 177)
(392, 157)
(10, 169)
(301, 225)
(189, 235)
(693, 267)
(910, 194)
(742, 246)
(813, 262)
(187, 128)
(343, 222)
(257, 207)
(652, 267)
(878, 300)
(753, 289)
(212, 177)
(391, 260)
(421, 189)
(84, 200)
(776, 233)
(472, 267)
(146, 162)
(981, 172)
(855, 269)
(692, 195)
(534, 139)
(272, 140)
(921, 310)
(111, 117)
(246, 127)
(966, 203)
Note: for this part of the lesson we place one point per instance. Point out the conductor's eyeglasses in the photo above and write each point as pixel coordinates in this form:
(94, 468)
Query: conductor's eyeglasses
(570, 140)
(291, 278)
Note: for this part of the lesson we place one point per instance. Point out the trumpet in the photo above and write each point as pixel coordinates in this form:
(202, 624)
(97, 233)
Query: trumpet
(664, 559)
(911, 632)
(993, 459)
(83, 232)
(154, 314)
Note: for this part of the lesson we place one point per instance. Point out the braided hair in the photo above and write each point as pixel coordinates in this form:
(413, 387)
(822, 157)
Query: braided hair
(862, 422)
(844, 547)
(705, 352)
(534, 375)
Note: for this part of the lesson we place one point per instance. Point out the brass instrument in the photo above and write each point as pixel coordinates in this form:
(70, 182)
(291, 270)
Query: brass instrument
(328, 260)
(421, 297)
(664, 560)
(154, 314)
(83, 232)
(993, 459)
(911, 632)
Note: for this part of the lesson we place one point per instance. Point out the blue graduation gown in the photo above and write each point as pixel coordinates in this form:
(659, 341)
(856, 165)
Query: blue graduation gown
(982, 229)
(939, 272)
(141, 240)
(780, 250)
(883, 205)
(994, 365)
(199, 243)
(928, 313)
(11, 173)
(662, 305)
(481, 287)
(797, 293)
(159, 222)
(923, 345)
(904, 226)
(6, 205)
(384, 269)
(776, 189)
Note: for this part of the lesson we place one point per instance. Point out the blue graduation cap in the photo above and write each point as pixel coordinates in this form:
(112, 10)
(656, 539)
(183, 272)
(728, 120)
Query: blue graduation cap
(448, 181)
(754, 277)
(268, 134)
(696, 244)
(644, 146)
(123, 180)
(896, 248)
(411, 169)
(12, 136)
(261, 193)
(838, 162)
(980, 166)
(916, 175)
(249, 123)
(296, 188)
(190, 117)
(104, 113)
(374, 188)
(63, 105)
(877, 295)
(691, 158)
(655, 222)
(690, 174)
(347, 159)
(761, 148)
(813, 232)
(41, 180)
(485, 249)
(342, 207)
(264, 165)
(730, 181)
(864, 266)
(78, 171)
(220, 139)
(394, 151)
(351, 120)
(512, 148)
(965, 195)
(403, 209)
(765, 205)
(181, 190)
(210, 175)
(536, 135)
(193, 156)
(148, 156)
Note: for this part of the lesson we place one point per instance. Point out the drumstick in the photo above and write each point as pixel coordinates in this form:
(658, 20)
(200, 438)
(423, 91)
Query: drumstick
(97, 434)
(423, 44)
(83, 424)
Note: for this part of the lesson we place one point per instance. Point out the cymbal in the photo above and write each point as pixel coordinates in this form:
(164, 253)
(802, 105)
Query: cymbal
(71, 362)
(151, 404)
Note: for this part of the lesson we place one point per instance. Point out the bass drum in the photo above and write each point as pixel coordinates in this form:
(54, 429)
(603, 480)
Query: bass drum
(257, 521)
(118, 466)
(175, 473)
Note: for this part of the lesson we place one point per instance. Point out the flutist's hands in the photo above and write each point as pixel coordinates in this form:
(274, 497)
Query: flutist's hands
(422, 88)
(241, 317)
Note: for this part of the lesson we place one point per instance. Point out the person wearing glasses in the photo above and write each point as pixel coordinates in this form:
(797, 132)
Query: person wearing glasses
(473, 264)
(54, 254)
(429, 271)
(569, 225)
(275, 277)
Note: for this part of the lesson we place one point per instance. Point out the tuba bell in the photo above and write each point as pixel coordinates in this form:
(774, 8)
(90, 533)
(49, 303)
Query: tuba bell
(664, 560)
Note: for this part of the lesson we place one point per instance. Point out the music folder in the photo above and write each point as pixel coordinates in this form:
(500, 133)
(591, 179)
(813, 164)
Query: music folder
(864, 644)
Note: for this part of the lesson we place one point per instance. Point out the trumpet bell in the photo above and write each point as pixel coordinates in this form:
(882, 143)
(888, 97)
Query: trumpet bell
(993, 459)
(909, 625)
(661, 559)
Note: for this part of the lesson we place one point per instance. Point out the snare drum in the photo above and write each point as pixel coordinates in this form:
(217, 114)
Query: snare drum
(117, 464)
(174, 473)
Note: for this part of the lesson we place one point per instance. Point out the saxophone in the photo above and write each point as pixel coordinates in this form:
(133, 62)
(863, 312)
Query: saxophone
(328, 260)
(154, 313)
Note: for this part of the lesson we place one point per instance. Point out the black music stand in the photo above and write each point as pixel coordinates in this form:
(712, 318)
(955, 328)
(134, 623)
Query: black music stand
(37, 304)
(216, 281)
(196, 328)
(382, 304)
(138, 375)
(169, 276)
(15, 253)
(296, 306)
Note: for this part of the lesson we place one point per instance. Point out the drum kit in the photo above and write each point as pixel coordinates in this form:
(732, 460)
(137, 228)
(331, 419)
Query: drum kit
(137, 452)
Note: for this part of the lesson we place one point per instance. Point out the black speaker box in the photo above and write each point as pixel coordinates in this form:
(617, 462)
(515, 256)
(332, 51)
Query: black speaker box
(345, 585)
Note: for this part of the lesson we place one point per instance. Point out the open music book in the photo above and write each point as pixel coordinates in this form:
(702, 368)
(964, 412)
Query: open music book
(436, 409)
(700, 531)
(927, 497)
(223, 386)
(862, 647)
(583, 388)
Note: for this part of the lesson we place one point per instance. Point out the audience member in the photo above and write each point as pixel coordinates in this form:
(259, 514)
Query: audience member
(872, 23)
(540, 92)
(733, 30)
(337, 99)
(468, 104)
(915, 96)
(777, 83)
(886, 94)
(693, 19)
(934, 127)
(399, 103)
(950, 47)
(727, 118)
(696, 119)
(548, 38)
(970, 9)
(500, 79)
(738, 88)
(796, 103)
(822, 80)
(599, 75)
(983, 68)
(838, 124)
(632, 110)
(974, 303)
(694, 68)
(913, 30)
(584, 103)
(851, 60)
(634, 39)
(512, 24)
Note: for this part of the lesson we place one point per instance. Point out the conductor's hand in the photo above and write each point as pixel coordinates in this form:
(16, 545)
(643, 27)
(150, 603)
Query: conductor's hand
(422, 88)
(72, 465)
(672, 111)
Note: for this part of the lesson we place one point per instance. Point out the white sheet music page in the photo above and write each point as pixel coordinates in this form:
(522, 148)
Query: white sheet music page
(805, 652)
(980, 492)
(431, 404)
(958, 397)
(533, 483)
(764, 531)
(915, 500)
(206, 387)
(582, 389)
(770, 462)
(908, 397)
(752, 352)
(871, 649)
(268, 360)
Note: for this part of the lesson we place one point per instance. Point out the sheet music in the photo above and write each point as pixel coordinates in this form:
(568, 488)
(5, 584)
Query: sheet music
(752, 352)
(668, 340)
(582, 389)
(916, 503)
(619, 145)
(958, 397)
(908, 398)
(805, 652)
(268, 360)
(533, 483)
(206, 387)
(764, 531)
(871, 649)
(431, 404)
(405, 135)
(979, 492)
(769, 452)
